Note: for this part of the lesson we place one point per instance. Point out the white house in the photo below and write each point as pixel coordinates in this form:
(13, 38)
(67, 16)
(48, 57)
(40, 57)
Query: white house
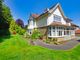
(53, 24)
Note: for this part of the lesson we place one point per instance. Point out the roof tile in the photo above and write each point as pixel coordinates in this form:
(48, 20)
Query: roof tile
(35, 15)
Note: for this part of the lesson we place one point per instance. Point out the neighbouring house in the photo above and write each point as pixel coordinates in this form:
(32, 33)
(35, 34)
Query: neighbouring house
(77, 33)
(53, 24)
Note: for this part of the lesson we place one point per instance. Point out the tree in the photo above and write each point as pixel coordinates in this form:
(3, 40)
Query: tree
(15, 29)
(20, 23)
(1, 19)
(6, 13)
(12, 27)
(1, 1)
(5, 19)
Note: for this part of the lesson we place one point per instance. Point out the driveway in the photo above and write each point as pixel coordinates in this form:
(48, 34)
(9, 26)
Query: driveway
(68, 45)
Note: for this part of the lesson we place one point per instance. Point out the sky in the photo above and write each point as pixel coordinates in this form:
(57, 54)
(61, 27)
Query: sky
(21, 9)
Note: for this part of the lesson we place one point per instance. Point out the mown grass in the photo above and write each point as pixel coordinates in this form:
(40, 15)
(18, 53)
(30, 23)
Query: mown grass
(17, 48)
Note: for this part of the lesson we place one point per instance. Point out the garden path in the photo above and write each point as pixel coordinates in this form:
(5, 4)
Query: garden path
(68, 45)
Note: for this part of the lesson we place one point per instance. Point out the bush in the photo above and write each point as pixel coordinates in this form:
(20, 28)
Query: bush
(14, 32)
(55, 41)
(36, 34)
(52, 41)
(47, 41)
(21, 31)
(14, 28)
(4, 32)
(26, 35)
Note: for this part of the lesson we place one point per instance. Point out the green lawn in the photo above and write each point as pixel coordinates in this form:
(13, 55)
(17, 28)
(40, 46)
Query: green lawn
(17, 48)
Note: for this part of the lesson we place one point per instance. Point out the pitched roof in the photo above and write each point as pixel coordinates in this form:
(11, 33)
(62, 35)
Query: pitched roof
(77, 32)
(35, 15)
(72, 24)
(51, 10)
(68, 19)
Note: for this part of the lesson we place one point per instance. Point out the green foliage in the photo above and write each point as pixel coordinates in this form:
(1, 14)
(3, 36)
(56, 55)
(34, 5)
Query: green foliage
(6, 13)
(5, 19)
(12, 26)
(1, 3)
(21, 31)
(47, 41)
(36, 34)
(4, 32)
(15, 28)
(52, 41)
(26, 35)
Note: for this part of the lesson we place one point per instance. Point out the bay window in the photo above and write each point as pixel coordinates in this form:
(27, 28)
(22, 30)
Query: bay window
(58, 31)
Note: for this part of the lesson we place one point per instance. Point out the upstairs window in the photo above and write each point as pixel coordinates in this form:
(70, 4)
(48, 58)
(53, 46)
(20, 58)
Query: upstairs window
(57, 18)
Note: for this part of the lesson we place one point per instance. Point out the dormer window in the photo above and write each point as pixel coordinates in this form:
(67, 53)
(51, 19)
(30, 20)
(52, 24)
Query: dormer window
(57, 18)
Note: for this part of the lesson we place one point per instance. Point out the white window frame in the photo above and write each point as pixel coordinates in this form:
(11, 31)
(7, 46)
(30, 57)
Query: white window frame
(57, 18)
(59, 31)
(56, 32)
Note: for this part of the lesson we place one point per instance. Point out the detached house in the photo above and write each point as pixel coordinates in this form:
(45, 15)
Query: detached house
(53, 24)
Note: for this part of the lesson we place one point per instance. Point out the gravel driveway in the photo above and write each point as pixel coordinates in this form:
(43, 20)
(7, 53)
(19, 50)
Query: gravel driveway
(68, 45)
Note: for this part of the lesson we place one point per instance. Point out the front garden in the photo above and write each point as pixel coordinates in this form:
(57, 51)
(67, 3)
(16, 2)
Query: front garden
(16, 47)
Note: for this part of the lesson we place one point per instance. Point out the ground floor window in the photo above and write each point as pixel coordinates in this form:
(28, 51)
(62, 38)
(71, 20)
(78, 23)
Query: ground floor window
(67, 32)
(49, 31)
(57, 31)
(60, 33)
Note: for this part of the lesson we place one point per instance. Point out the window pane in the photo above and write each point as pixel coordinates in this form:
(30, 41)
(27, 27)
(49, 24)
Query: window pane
(60, 33)
(49, 31)
(53, 27)
(57, 18)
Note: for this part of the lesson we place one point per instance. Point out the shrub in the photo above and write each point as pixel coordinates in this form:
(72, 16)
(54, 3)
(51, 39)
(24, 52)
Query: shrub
(36, 34)
(55, 41)
(52, 41)
(14, 32)
(48, 41)
(26, 35)
(14, 28)
(21, 31)
(4, 32)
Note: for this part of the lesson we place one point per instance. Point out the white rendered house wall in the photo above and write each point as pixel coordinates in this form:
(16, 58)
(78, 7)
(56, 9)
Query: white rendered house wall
(51, 17)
